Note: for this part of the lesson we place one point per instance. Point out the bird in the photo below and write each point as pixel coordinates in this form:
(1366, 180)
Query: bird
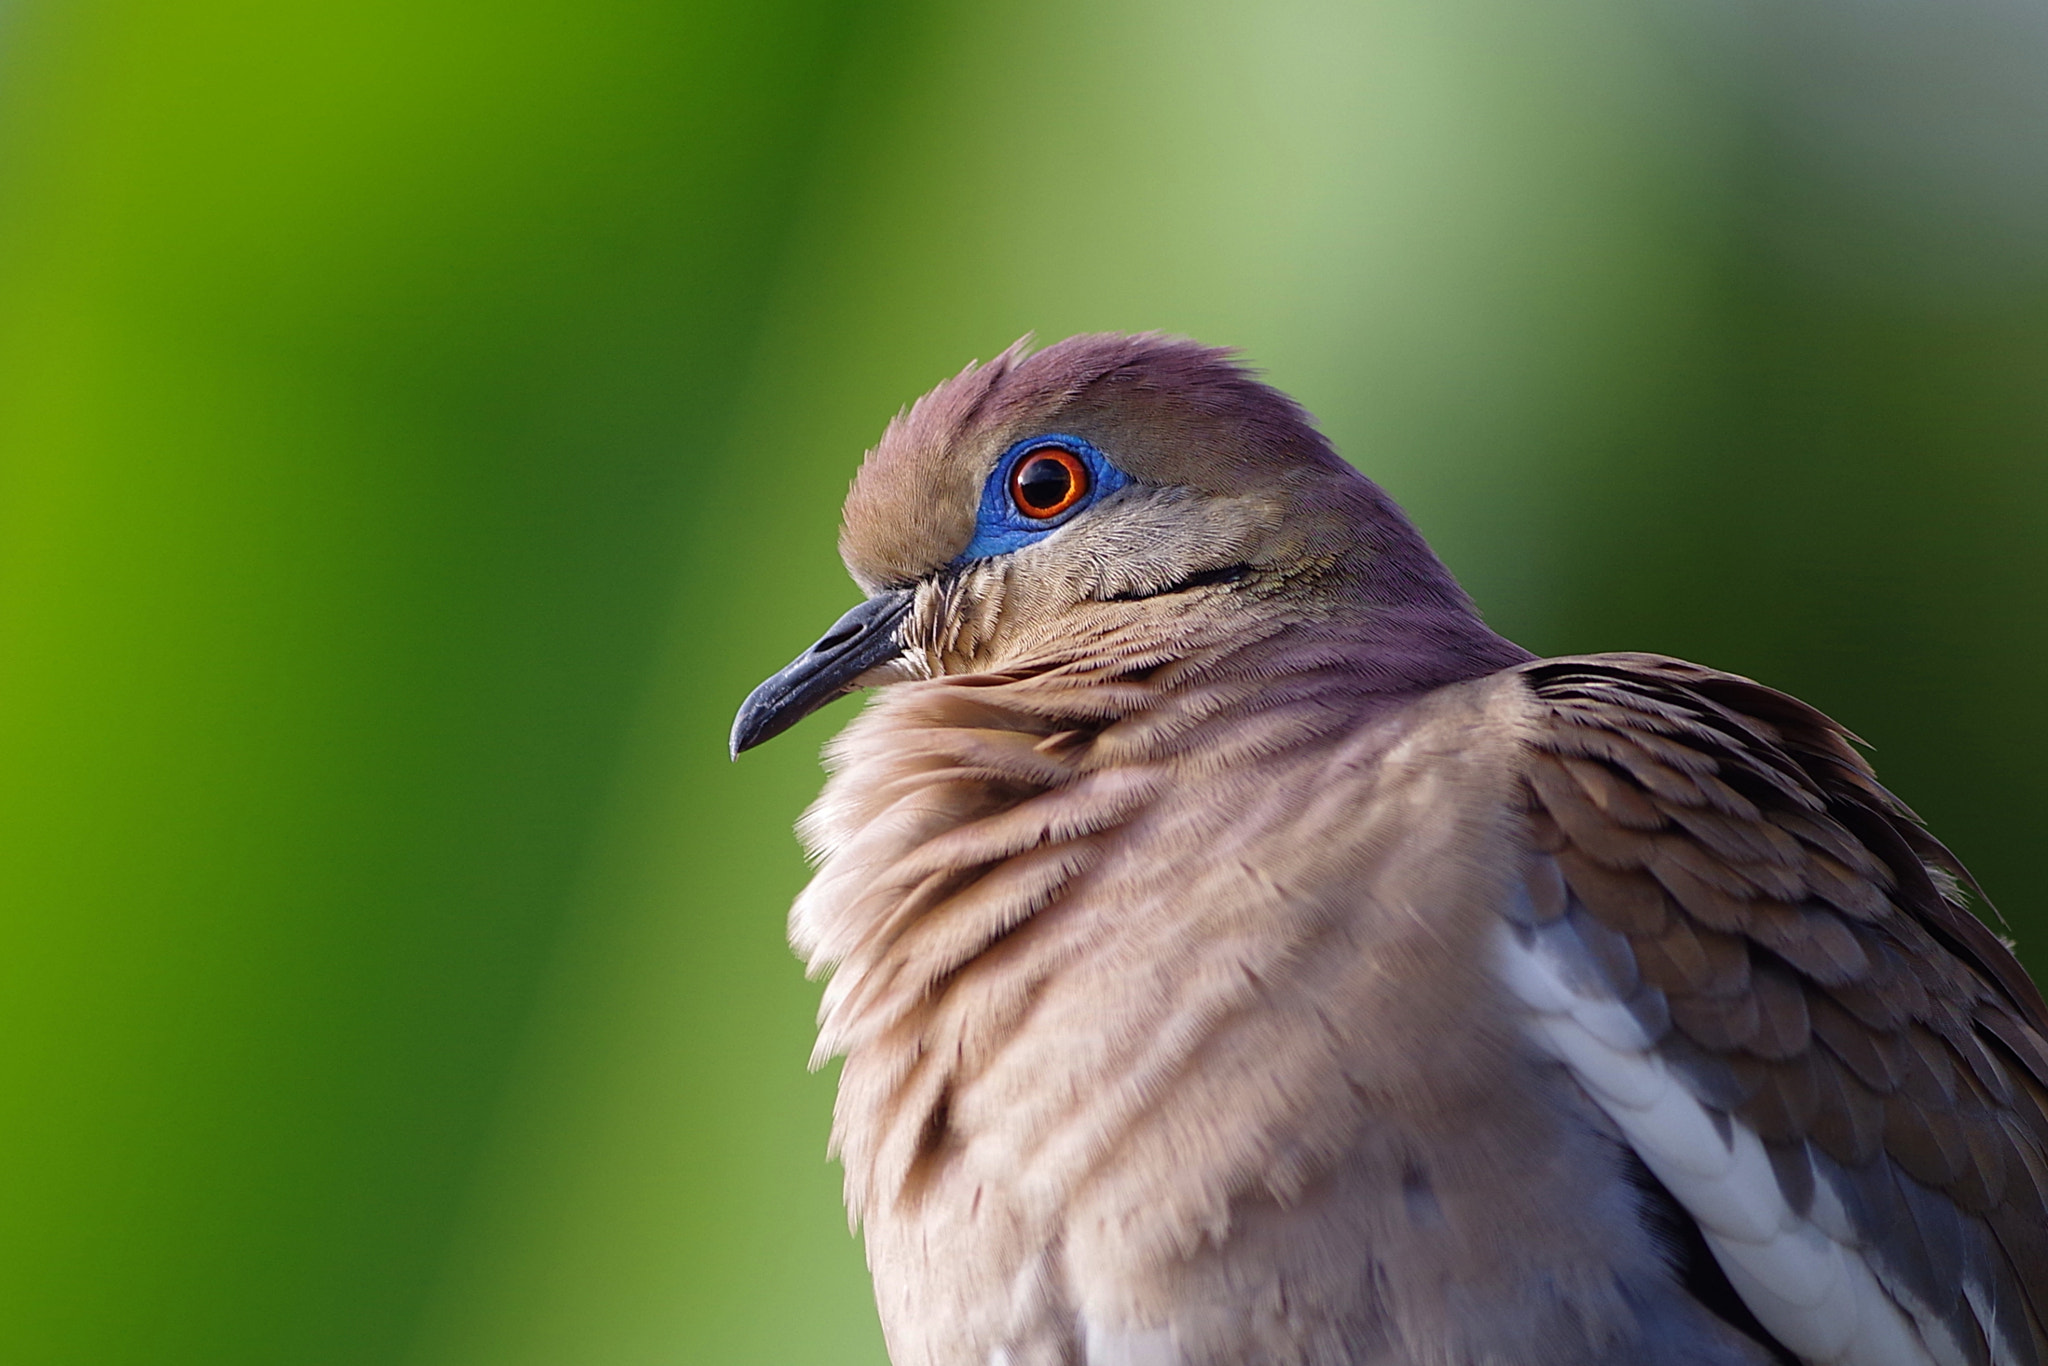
(1239, 954)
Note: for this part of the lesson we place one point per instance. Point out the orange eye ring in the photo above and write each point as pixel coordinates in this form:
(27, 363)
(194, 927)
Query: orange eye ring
(1047, 481)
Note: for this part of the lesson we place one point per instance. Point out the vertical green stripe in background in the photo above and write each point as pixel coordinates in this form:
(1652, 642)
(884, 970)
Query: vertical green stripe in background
(420, 424)
(358, 365)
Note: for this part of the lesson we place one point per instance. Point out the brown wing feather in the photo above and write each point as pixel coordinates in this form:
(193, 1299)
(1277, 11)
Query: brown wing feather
(1826, 982)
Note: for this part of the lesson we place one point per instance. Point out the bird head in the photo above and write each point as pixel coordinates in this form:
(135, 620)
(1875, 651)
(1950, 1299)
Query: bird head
(1112, 501)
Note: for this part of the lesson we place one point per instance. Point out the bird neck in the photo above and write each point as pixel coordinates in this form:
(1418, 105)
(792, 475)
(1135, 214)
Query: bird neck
(943, 780)
(965, 814)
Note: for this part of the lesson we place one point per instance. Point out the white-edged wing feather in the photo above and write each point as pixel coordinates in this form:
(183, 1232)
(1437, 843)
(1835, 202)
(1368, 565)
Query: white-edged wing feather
(1812, 1290)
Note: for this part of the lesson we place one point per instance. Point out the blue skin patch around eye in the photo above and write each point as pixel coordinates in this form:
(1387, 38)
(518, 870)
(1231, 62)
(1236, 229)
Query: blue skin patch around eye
(1001, 527)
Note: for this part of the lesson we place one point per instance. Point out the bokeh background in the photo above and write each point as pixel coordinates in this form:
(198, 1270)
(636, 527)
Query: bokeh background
(420, 423)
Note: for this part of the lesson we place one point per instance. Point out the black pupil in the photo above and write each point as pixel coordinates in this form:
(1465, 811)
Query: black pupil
(1044, 483)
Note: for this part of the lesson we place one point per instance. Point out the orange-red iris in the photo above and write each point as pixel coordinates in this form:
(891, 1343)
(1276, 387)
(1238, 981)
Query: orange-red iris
(1048, 481)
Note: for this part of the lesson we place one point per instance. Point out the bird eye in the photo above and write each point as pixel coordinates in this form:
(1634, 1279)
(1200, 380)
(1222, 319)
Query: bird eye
(1048, 481)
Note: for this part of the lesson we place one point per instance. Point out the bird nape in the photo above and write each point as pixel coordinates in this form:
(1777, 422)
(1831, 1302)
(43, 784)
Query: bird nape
(1242, 955)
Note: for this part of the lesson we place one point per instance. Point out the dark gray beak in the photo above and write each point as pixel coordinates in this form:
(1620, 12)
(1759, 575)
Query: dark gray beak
(857, 642)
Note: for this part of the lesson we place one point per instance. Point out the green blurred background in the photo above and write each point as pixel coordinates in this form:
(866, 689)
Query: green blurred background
(421, 423)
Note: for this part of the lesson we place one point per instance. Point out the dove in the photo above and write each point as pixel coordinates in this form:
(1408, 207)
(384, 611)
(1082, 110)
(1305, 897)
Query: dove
(1240, 954)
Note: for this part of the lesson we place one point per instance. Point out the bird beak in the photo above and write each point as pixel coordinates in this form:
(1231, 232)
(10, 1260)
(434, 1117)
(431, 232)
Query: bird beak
(857, 642)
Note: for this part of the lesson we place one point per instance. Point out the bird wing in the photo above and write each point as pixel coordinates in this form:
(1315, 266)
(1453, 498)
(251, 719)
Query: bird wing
(1758, 964)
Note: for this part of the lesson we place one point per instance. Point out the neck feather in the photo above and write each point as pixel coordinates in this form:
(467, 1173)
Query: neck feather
(962, 808)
